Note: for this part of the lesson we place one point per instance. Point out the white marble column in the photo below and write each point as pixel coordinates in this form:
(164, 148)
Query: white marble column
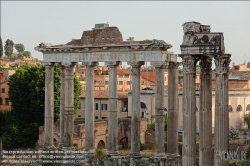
(173, 108)
(69, 106)
(159, 109)
(62, 104)
(49, 106)
(189, 111)
(221, 110)
(205, 113)
(136, 111)
(89, 107)
(112, 113)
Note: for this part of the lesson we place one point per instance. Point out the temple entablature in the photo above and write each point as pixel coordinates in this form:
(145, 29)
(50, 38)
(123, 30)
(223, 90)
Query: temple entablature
(198, 39)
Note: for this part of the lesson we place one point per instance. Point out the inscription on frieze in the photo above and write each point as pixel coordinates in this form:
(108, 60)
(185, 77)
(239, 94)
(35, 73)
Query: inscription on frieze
(110, 56)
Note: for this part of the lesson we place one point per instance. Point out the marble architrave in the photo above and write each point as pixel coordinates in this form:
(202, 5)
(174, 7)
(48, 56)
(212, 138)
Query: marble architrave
(122, 56)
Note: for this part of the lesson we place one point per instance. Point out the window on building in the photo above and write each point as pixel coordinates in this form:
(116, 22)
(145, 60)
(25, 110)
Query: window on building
(165, 111)
(126, 76)
(120, 76)
(96, 106)
(236, 67)
(3, 90)
(7, 101)
(239, 108)
(106, 82)
(96, 117)
(196, 109)
(104, 107)
(128, 82)
(120, 82)
(230, 108)
(104, 118)
(1, 101)
(248, 107)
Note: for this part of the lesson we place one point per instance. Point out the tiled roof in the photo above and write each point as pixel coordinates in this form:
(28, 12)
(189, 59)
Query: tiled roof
(123, 72)
(235, 77)
(151, 76)
(104, 94)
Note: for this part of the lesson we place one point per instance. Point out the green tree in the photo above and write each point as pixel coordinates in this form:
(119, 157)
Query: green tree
(9, 44)
(130, 39)
(247, 119)
(5, 117)
(1, 47)
(27, 54)
(19, 48)
(27, 94)
(152, 125)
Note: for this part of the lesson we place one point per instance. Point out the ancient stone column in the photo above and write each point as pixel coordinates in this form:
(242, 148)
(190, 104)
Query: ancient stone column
(112, 113)
(159, 109)
(221, 110)
(205, 113)
(173, 108)
(136, 111)
(189, 111)
(69, 106)
(62, 104)
(89, 107)
(49, 106)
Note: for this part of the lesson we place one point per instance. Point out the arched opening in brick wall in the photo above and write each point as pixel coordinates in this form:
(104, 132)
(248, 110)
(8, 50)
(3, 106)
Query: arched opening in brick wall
(123, 142)
(101, 144)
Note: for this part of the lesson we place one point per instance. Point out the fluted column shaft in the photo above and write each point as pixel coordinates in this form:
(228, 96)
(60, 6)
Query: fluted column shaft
(89, 107)
(135, 114)
(173, 108)
(189, 111)
(112, 114)
(49, 106)
(62, 103)
(205, 113)
(221, 110)
(69, 106)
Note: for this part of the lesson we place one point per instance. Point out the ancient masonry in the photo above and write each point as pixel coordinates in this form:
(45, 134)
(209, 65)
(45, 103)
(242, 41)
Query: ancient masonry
(199, 44)
(105, 44)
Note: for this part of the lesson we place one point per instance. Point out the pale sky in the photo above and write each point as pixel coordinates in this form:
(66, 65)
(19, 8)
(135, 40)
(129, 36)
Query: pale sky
(59, 22)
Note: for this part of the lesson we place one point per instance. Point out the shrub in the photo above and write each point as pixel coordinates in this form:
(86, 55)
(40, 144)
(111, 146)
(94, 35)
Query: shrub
(143, 147)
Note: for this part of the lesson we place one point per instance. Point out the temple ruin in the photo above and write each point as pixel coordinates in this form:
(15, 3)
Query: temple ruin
(105, 44)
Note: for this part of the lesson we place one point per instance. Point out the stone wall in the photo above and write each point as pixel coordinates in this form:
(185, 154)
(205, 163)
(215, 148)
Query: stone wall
(101, 35)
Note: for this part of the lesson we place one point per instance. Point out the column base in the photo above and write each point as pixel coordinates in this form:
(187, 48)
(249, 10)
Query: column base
(159, 155)
(61, 144)
(88, 155)
(112, 153)
(135, 155)
(46, 148)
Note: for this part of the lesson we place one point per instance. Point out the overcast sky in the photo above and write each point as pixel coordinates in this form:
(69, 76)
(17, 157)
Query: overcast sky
(58, 22)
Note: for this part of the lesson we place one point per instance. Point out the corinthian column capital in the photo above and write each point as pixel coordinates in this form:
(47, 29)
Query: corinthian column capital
(113, 63)
(159, 63)
(136, 63)
(68, 64)
(174, 65)
(48, 64)
(90, 64)
(189, 63)
(222, 63)
(205, 65)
